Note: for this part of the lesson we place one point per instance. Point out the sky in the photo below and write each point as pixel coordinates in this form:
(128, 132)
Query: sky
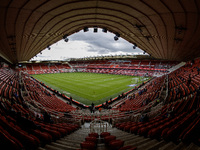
(88, 44)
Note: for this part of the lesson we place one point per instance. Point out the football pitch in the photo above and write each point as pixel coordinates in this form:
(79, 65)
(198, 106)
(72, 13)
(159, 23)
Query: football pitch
(89, 87)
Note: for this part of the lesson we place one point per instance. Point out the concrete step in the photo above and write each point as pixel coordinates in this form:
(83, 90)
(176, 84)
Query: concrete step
(141, 142)
(64, 147)
(167, 146)
(71, 140)
(128, 137)
(79, 137)
(40, 148)
(134, 141)
(179, 146)
(147, 144)
(102, 147)
(192, 146)
(69, 143)
(156, 145)
(52, 147)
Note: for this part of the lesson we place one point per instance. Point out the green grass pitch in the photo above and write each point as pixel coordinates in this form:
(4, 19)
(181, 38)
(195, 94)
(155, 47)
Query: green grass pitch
(89, 87)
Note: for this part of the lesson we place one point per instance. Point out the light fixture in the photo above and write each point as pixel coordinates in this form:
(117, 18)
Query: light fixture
(85, 29)
(117, 34)
(95, 29)
(65, 38)
(134, 46)
(104, 30)
(116, 38)
(48, 47)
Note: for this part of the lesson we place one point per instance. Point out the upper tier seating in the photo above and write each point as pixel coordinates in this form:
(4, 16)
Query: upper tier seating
(40, 68)
(125, 67)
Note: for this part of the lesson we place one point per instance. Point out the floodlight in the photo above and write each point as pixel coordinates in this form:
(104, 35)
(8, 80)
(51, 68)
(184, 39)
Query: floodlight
(117, 34)
(116, 38)
(65, 38)
(48, 47)
(104, 30)
(95, 29)
(85, 29)
(134, 46)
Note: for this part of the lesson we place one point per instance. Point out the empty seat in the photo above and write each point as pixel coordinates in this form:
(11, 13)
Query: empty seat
(88, 145)
(104, 134)
(91, 138)
(116, 144)
(109, 138)
(94, 134)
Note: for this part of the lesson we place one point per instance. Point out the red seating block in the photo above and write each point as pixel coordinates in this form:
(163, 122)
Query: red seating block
(94, 134)
(116, 144)
(55, 134)
(134, 129)
(43, 136)
(91, 138)
(88, 145)
(109, 138)
(104, 134)
(127, 128)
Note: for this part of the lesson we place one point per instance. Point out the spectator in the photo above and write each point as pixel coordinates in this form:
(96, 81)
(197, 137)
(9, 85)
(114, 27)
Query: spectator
(144, 118)
(189, 80)
(92, 108)
(47, 117)
(198, 70)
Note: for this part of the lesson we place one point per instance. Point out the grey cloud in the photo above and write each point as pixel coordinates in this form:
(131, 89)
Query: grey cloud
(103, 43)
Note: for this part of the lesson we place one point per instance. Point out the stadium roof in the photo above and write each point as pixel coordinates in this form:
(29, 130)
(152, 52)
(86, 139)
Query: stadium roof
(166, 29)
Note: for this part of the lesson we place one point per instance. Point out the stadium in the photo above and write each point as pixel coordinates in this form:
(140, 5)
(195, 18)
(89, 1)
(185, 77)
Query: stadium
(115, 102)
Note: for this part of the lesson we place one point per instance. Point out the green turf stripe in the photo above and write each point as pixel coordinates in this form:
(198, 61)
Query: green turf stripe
(87, 87)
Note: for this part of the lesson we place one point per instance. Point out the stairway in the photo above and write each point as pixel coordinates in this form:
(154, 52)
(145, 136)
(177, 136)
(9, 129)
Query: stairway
(177, 66)
(72, 141)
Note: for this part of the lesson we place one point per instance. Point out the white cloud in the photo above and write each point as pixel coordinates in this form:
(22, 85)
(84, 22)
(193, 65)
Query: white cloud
(85, 44)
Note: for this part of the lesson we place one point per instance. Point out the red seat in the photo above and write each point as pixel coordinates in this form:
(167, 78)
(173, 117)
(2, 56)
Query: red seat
(116, 144)
(104, 134)
(88, 145)
(91, 138)
(94, 134)
(55, 134)
(109, 138)
(134, 129)
(43, 136)
(127, 128)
